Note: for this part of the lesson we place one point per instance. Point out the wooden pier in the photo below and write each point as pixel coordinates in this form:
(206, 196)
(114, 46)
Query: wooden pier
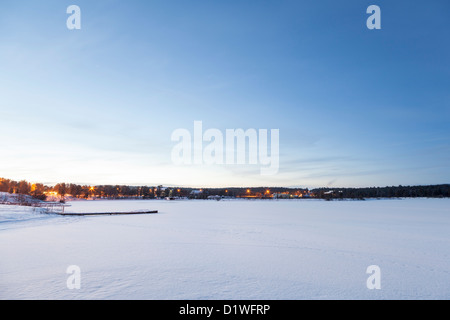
(108, 213)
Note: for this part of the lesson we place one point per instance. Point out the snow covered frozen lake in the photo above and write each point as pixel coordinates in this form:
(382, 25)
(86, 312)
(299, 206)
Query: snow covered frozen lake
(237, 249)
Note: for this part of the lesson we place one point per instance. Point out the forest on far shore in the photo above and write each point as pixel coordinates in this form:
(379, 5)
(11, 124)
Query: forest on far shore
(41, 191)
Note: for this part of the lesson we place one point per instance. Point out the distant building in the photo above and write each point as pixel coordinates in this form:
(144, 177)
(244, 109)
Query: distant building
(196, 194)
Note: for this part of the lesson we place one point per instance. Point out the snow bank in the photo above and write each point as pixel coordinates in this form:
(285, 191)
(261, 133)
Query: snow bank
(10, 198)
(15, 216)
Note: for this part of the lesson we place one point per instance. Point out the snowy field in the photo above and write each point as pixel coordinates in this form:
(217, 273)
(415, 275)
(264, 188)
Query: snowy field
(234, 249)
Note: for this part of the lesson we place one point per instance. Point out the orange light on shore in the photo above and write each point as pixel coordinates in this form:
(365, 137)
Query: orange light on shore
(267, 191)
(248, 190)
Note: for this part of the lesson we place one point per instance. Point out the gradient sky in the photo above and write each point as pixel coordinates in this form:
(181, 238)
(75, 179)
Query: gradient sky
(355, 107)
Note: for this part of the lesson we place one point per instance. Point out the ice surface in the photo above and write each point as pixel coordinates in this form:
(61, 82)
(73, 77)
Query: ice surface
(258, 249)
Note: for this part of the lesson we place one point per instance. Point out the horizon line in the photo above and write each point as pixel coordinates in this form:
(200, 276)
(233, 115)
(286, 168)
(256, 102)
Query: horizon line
(225, 187)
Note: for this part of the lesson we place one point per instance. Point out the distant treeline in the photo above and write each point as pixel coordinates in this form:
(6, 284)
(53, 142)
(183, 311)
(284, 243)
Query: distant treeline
(41, 191)
(430, 191)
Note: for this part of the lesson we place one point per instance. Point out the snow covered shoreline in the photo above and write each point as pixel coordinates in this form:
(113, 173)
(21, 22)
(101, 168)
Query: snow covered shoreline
(229, 250)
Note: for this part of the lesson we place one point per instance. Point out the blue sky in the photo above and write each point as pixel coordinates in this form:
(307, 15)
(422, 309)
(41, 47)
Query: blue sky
(355, 107)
